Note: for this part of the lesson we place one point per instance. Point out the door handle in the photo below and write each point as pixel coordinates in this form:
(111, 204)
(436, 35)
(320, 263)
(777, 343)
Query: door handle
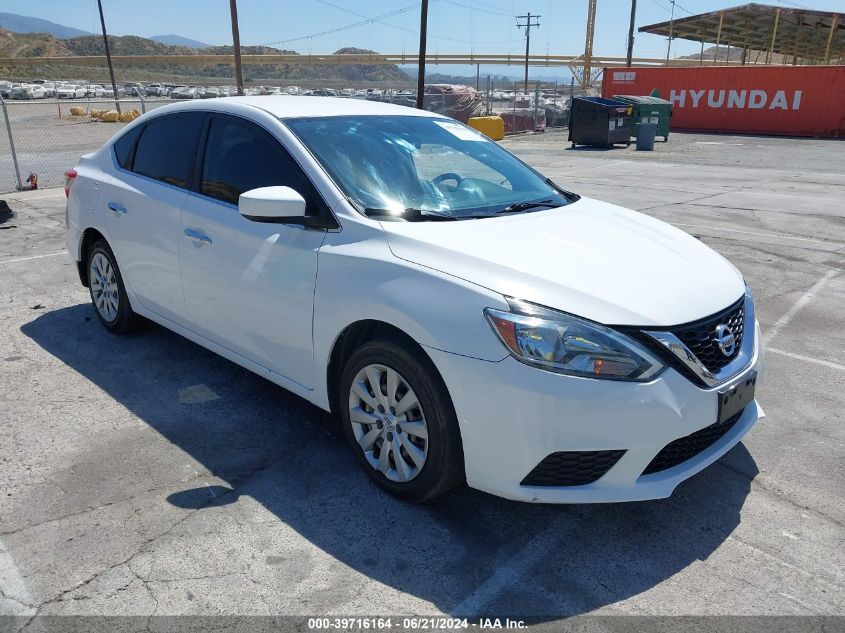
(117, 208)
(196, 236)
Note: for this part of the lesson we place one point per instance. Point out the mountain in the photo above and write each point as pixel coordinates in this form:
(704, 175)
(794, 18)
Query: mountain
(25, 24)
(45, 45)
(735, 55)
(178, 40)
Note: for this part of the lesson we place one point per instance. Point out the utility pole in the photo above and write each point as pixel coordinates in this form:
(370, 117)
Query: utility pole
(108, 56)
(631, 33)
(671, 31)
(421, 66)
(528, 24)
(236, 44)
(587, 73)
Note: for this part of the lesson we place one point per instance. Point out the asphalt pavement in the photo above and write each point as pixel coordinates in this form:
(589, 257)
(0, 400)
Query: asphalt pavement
(144, 475)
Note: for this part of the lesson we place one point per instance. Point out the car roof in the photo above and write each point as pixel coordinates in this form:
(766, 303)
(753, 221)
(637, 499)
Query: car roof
(289, 106)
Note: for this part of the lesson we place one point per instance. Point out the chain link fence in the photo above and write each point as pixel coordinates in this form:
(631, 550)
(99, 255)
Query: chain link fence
(41, 139)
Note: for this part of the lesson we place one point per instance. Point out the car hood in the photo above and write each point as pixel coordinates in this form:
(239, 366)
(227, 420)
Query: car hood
(589, 258)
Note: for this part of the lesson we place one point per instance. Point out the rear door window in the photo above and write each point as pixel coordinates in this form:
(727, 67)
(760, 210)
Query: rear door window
(167, 148)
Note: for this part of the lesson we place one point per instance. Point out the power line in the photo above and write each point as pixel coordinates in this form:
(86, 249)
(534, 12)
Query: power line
(380, 20)
(466, 6)
(487, 4)
(346, 27)
(657, 4)
(795, 4)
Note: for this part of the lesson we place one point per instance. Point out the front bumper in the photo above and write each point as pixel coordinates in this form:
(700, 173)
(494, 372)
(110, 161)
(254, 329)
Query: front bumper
(512, 416)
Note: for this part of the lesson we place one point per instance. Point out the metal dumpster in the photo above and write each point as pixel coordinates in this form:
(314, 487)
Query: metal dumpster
(650, 110)
(599, 121)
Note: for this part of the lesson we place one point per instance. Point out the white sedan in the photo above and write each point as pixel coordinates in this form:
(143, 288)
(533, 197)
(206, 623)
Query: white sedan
(465, 318)
(70, 91)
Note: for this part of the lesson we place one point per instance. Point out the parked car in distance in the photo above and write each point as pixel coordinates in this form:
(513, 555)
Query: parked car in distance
(27, 91)
(155, 90)
(36, 91)
(5, 88)
(95, 90)
(463, 316)
(184, 92)
(70, 91)
(132, 89)
(49, 89)
(108, 92)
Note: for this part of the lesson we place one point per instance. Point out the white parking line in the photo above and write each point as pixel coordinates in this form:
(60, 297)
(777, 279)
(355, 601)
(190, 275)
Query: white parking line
(509, 573)
(759, 234)
(12, 586)
(817, 361)
(603, 166)
(27, 198)
(803, 300)
(26, 259)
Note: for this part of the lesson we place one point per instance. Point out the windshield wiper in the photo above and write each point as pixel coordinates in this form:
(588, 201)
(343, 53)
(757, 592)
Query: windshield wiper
(524, 206)
(410, 214)
(572, 197)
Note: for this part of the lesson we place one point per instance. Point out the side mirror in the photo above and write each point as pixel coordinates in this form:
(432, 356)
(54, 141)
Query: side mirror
(272, 204)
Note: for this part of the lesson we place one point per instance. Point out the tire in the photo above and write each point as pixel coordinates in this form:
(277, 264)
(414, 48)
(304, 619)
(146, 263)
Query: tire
(442, 466)
(108, 294)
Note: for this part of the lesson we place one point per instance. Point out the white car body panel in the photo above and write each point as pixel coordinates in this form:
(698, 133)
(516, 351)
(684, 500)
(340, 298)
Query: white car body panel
(557, 412)
(275, 298)
(590, 258)
(252, 278)
(146, 236)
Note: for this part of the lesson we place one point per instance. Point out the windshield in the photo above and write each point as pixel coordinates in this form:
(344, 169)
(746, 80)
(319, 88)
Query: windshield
(433, 167)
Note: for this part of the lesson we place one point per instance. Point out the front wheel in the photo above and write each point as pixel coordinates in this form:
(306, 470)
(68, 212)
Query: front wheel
(399, 420)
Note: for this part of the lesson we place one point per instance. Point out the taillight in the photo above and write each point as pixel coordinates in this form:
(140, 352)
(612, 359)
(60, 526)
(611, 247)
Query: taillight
(70, 178)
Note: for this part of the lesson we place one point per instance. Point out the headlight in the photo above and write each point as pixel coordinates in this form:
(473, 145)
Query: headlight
(560, 342)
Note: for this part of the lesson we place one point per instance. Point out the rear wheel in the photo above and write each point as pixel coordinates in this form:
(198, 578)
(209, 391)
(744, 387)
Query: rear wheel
(108, 294)
(398, 418)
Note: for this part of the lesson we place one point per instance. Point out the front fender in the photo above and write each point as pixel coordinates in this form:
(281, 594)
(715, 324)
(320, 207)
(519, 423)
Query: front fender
(362, 280)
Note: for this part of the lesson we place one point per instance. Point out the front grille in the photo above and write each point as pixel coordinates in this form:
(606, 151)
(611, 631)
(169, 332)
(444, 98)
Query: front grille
(689, 446)
(572, 468)
(700, 336)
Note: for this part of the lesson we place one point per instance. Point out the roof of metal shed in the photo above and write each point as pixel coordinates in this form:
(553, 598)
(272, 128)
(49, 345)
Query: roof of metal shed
(811, 35)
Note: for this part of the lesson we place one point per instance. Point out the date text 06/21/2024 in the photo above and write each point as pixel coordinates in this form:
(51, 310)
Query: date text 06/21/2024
(412, 623)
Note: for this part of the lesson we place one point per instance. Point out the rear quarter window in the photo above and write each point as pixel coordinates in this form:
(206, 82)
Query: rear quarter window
(167, 148)
(124, 145)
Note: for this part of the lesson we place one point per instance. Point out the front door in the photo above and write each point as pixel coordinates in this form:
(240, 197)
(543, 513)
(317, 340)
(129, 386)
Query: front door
(249, 286)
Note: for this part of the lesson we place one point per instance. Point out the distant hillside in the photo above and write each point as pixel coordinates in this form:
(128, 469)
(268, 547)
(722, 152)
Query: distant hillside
(178, 40)
(735, 55)
(45, 45)
(25, 24)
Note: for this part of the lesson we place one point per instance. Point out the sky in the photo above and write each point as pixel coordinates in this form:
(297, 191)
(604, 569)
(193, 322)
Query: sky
(454, 26)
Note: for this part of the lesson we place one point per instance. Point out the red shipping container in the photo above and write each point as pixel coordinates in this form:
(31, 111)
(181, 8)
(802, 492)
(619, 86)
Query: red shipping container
(783, 100)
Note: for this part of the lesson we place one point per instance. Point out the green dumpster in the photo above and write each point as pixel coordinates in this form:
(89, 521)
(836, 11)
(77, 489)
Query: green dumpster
(649, 110)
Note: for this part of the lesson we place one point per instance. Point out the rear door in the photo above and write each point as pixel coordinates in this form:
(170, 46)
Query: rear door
(249, 286)
(143, 205)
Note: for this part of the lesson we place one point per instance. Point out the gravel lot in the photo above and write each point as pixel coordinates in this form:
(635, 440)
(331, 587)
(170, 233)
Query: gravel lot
(49, 140)
(144, 475)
